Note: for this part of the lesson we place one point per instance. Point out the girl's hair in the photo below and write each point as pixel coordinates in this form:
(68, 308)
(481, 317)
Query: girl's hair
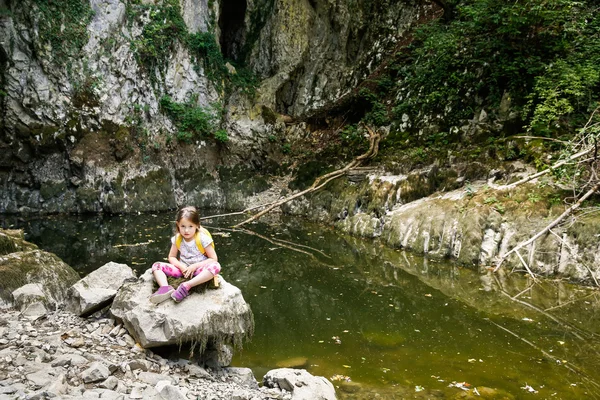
(190, 213)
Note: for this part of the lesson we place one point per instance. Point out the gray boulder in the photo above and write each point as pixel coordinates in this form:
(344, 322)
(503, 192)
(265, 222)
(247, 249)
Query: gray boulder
(31, 300)
(24, 264)
(97, 289)
(219, 317)
(301, 384)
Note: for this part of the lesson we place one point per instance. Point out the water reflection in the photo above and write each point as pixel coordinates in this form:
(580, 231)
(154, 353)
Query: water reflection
(395, 324)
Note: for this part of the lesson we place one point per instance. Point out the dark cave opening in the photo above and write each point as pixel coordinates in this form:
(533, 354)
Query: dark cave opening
(231, 23)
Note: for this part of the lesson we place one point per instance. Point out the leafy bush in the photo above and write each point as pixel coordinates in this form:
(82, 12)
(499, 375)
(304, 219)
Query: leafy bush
(163, 28)
(160, 34)
(192, 121)
(63, 25)
(544, 53)
(204, 46)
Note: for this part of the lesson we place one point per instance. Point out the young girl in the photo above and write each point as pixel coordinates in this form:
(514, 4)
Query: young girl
(197, 258)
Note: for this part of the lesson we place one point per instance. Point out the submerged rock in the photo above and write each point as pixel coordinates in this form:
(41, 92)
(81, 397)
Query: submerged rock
(296, 362)
(220, 317)
(301, 384)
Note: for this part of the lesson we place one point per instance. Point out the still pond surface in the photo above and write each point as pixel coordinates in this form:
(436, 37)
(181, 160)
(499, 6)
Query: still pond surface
(378, 322)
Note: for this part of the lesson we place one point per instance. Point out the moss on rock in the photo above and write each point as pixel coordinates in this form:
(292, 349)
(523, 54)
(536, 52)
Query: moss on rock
(28, 264)
(50, 189)
(12, 240)
(152, 192)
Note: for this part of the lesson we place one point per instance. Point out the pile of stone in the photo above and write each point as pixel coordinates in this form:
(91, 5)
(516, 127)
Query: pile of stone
(98, 344)
(62, 355)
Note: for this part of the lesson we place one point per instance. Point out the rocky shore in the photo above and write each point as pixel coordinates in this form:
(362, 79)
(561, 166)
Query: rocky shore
(61, 355)
(99, 337)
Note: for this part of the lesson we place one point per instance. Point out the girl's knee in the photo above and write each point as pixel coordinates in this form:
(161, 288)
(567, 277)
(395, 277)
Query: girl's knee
(161, 266)
(214, 268)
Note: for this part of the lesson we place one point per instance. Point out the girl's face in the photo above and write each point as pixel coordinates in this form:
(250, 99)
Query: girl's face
(187, 228)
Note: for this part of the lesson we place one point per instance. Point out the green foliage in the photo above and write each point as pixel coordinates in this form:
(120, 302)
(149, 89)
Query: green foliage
(204, 46)
(418, 154)
(376, 113)
(221, 135)
(63, 25)
(533, 197)
(164, 28)
(85, 88)
(192, 121)
(353, 137)
(439, 139)
(490, 200)
(493, 201)
(84, 91)
(245, 80)
(565, 93)
(545, 53)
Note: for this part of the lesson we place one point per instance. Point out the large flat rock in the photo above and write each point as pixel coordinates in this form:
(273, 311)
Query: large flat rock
(220, 316)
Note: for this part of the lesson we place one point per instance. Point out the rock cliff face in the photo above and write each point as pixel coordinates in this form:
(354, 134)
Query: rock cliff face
(94, 94)
(474, 225)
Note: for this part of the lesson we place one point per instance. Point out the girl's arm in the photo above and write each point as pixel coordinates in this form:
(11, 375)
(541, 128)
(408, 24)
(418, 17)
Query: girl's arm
(212, 257)
(174, 260)
(210, 253)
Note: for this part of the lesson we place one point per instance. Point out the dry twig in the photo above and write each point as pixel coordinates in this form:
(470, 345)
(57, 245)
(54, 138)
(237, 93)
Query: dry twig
(565, 214)
(323, 180)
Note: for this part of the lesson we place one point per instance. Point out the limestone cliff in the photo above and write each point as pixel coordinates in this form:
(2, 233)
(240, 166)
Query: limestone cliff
(124, 105)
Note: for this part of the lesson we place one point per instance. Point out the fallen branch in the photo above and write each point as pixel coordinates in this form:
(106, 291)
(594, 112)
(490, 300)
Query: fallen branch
(547, 170)
(281, 243)
(526, 266)
(564, 243)
(533, 138)
(573, 330)
(565, 214)
(582, 144)
(321, 181)
(232, 213)
(523, 291)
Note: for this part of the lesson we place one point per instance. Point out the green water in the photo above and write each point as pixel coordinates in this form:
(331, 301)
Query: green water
(396, 325)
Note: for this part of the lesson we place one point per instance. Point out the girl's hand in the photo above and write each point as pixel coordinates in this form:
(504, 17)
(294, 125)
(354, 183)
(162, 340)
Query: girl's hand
(183, 269)
(190, 271)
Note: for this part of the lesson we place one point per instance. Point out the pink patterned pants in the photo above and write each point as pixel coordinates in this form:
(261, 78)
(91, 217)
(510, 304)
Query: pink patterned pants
(173, 271)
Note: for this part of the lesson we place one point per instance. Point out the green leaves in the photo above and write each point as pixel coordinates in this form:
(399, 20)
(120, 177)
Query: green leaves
(192, 121)
(163, 27)
(63, 25)
(545, 53)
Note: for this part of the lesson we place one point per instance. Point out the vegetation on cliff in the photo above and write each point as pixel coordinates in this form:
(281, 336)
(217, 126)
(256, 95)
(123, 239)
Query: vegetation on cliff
(163, 28)
(542, 55)
(490, 81)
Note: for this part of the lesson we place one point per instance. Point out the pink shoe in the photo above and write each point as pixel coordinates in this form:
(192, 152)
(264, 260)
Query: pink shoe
(181, 293)
(162, 294)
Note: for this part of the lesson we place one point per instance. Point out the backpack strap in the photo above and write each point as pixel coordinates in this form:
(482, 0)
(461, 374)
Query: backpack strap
(179, 238)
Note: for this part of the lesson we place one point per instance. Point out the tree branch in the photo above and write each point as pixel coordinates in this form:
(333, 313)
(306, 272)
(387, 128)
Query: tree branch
(565, 214)
(321, 181)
